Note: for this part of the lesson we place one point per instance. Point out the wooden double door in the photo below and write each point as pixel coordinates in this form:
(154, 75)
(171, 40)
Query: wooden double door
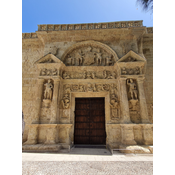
(90, 121)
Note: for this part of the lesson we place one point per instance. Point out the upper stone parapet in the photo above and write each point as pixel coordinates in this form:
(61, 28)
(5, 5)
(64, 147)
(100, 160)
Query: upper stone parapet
(90, 26)
(150, 29)
(29, 35)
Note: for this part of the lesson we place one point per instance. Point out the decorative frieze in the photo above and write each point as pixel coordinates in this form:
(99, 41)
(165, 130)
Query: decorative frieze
(124, 24)
(89, 75)
(48, 72)
(131, 71)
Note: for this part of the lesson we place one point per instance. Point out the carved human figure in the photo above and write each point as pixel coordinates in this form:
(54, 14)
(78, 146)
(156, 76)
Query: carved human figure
(104, 74)
(81, 88)
(70, 60)
(109, 61)
(48, 90)
(66, 76)
(137, 71)
(113, 89)
(130, 59)
(98, 57)
(93, 75)
(130, 72)
(110, 76)
(84, 75)
(113, 101)
(132, 88)
(91, 88)
(43, 71)
(124, 71)
(54, 71)
(88, 76)
(79, 58)
(65, 101)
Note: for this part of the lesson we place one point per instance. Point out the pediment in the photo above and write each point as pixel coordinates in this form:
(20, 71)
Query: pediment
(49, 58)
(132, 57)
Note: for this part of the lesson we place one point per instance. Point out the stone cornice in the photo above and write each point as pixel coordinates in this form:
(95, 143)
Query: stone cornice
(86, 26)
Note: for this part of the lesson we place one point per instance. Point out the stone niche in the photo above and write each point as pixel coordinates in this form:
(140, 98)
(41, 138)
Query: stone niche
(89, 69)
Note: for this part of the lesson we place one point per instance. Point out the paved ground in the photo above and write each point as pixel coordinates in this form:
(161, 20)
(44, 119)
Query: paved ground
(82, 161)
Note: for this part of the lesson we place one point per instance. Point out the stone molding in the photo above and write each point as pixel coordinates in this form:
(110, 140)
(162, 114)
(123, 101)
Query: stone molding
(29, 35)
(90, 26)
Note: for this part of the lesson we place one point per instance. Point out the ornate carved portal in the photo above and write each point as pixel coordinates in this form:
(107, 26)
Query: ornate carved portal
(88, 70)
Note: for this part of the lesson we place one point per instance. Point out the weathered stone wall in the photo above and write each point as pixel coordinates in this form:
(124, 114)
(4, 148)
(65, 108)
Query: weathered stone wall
(148, 53)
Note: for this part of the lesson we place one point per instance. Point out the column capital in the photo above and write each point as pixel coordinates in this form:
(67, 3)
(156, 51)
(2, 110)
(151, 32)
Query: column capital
(140, 79)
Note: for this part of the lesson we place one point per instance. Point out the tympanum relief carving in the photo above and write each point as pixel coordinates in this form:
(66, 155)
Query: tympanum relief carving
(89, 56)
(89, 75)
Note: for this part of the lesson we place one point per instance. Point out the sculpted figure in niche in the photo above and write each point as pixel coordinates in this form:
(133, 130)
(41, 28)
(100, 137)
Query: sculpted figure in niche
(65, 101)
(66, 76)
(132, 88)
(43, 71)
(54, 71)
(48, 90)
(98, 57)
(109, 61)
(124, 72)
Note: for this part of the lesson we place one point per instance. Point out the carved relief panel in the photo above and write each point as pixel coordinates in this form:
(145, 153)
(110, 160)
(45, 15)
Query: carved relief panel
(89, 56)
(89, 75)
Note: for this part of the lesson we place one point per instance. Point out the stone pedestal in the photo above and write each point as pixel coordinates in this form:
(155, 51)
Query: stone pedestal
(38, 101)
(124, 102)
(127, 134)
(142, 99)
(32, 135)
(147, 131)
(51, 134)
(64, 133)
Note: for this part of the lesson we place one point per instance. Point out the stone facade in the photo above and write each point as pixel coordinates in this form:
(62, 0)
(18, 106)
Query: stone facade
(64, 62)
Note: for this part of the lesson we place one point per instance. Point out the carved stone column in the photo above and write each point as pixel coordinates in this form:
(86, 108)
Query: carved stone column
(147, 130)
(127, 134)
(38, 101)
(142, 99)
(32, 135)
(54, 101)
(51, 134)
(124, 102)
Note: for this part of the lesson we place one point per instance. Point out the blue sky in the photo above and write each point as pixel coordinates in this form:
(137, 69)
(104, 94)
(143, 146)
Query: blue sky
(36, 12)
